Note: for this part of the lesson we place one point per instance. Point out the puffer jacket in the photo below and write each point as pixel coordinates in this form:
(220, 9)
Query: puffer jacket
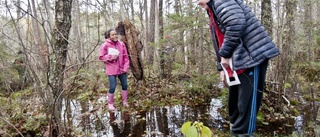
(245, 39)
(114, 66)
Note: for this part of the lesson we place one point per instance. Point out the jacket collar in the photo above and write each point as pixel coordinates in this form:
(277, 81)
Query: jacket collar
(110, 41)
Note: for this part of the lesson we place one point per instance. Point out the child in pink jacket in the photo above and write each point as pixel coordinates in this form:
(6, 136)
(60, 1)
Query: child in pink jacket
(115, 56)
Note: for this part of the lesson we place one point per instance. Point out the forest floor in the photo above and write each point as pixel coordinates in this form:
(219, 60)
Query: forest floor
(22, 112)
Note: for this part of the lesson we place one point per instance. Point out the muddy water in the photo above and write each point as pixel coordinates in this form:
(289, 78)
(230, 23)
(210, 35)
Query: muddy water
(156, 122)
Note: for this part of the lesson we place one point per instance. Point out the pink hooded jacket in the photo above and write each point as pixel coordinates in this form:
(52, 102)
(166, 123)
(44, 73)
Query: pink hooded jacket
(114, 66)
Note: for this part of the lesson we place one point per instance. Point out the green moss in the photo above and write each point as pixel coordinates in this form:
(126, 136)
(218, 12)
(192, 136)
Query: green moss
(295, 112)
(307, 97)
(294, 102)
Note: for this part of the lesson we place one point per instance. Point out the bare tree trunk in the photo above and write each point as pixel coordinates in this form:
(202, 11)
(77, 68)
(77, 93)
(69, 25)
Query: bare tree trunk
(186, 56)
(255, 6)
(77, 32)
(177, 10)
(317, 27)
(201, 61)
(60, 48)
(278, 34)
(180, 38)
(126, 4)
(162, 48)
(87, 28)
(132, 10)
(146, 28)
(278, 22)
(48, 15)
(106, 13)
(151, 36)
(38, 40)
(317, 14)
(267, 21)
(284, 61)
(266, 15)
(190, 39)
(156, 21)
(156, 62)
(18, 5)
(308, 27)
(121, 10)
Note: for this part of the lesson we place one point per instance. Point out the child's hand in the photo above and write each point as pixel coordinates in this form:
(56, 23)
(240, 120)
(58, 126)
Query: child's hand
(115, 57)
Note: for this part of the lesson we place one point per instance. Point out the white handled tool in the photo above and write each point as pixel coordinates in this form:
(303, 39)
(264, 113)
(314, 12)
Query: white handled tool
(234, 79)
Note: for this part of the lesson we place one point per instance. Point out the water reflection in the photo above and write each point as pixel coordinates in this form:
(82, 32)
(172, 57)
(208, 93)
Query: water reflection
(120, 128)
(92, 119)
(157, 122)
(298, 126)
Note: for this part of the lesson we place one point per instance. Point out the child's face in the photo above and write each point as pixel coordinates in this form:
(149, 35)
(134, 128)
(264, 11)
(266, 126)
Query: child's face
(113, 36)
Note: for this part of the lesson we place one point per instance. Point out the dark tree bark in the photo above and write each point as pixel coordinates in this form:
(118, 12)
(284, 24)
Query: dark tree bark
(60, 48)
(129, 35)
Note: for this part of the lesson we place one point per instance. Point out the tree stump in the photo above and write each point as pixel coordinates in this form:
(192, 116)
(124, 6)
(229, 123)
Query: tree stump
(129, 36)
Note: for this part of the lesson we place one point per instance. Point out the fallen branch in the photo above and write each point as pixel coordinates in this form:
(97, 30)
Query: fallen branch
(12, 126)
(286, 100)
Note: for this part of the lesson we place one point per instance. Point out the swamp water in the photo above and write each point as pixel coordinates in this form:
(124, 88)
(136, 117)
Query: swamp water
(156, 122)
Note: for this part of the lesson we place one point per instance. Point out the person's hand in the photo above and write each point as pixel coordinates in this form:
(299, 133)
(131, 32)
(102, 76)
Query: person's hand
(223, 78)
(225, 62)
(203, 3)
(125, 71)
(115, 57)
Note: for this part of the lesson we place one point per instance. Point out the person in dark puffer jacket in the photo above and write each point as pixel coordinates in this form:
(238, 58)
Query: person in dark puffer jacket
(239, 36)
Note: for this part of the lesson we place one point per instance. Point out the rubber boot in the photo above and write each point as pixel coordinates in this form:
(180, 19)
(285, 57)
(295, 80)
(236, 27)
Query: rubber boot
(111, 102)
(125, 98)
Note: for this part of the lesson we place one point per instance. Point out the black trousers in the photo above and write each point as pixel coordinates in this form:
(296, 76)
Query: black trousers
(245, 99)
